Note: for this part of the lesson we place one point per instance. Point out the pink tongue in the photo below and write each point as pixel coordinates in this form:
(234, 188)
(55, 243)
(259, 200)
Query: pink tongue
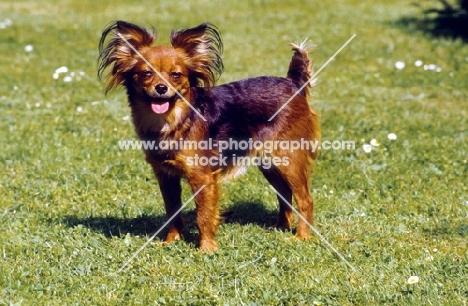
(160, 108)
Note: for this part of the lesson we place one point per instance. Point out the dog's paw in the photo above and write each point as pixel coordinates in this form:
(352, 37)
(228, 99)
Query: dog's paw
(284, 221)
(172, 236)
(208, 246)
(283, 225)
(303, 235)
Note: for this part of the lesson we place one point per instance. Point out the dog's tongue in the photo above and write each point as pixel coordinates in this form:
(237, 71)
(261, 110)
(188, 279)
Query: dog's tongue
(160, 108)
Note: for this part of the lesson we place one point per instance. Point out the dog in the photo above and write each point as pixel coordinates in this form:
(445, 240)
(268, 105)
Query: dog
(173, 98)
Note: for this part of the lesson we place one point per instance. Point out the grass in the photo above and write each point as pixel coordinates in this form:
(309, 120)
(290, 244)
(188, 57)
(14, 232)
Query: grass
(74, 208)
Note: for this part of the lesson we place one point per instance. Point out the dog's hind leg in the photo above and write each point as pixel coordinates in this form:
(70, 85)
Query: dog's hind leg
(285, 215)
(292, 181)
(305, 205)
(296, 174)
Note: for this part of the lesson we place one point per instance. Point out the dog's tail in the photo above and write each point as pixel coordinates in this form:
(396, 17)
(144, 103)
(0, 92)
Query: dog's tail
(301, 66)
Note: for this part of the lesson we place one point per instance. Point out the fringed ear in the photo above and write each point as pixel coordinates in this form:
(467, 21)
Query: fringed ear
(118, 53)
(201, 48)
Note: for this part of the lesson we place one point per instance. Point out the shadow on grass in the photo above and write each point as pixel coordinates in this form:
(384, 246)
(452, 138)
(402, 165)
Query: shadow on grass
(449, 21)
(116, 226)
(448, 229)
(242, 213)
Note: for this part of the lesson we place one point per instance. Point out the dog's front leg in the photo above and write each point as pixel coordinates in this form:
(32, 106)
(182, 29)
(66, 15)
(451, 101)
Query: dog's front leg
(207, 207)
(171, 191)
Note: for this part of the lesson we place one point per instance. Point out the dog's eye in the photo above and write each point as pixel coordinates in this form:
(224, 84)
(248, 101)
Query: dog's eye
(146, 74)
(176, 75)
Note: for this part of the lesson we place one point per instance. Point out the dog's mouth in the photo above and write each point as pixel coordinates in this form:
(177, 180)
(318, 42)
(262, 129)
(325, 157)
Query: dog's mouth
(161, 106)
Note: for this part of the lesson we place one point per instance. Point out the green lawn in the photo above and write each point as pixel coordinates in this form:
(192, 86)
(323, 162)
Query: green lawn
(74, 207)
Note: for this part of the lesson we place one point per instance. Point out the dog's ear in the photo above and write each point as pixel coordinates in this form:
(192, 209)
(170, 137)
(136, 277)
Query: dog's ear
(121, 50)
(200, 48)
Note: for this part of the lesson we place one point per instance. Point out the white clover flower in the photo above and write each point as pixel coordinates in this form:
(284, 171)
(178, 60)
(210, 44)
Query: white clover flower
(62, 69)
(400, 65)
(28, 48)
(432, 67)
(79, 109)
(413, 280)
(273, 260)
(367, 148)
(5, 23)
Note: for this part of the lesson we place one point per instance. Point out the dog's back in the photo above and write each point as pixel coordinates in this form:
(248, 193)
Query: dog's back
(248, 108)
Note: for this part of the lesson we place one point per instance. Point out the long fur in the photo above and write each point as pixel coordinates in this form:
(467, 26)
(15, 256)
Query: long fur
(118, 53)
(172, 95)
(203, 47)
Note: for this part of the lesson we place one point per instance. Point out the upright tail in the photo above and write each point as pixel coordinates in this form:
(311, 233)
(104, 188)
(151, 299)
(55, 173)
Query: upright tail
(301, 67)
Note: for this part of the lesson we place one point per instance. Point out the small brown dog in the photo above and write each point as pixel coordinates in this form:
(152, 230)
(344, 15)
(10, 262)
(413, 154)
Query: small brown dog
(173, 99)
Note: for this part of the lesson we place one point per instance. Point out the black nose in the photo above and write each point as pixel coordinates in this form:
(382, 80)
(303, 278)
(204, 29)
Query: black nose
(161, 89)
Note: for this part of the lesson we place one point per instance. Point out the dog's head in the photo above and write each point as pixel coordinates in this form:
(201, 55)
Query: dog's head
(158, 78)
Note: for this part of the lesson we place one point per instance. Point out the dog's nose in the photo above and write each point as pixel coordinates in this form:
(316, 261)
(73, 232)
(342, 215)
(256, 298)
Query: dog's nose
(161, 89)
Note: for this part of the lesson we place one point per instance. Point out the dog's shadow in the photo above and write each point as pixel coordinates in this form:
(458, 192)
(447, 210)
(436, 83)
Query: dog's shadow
(242, 213)
(112, 226)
